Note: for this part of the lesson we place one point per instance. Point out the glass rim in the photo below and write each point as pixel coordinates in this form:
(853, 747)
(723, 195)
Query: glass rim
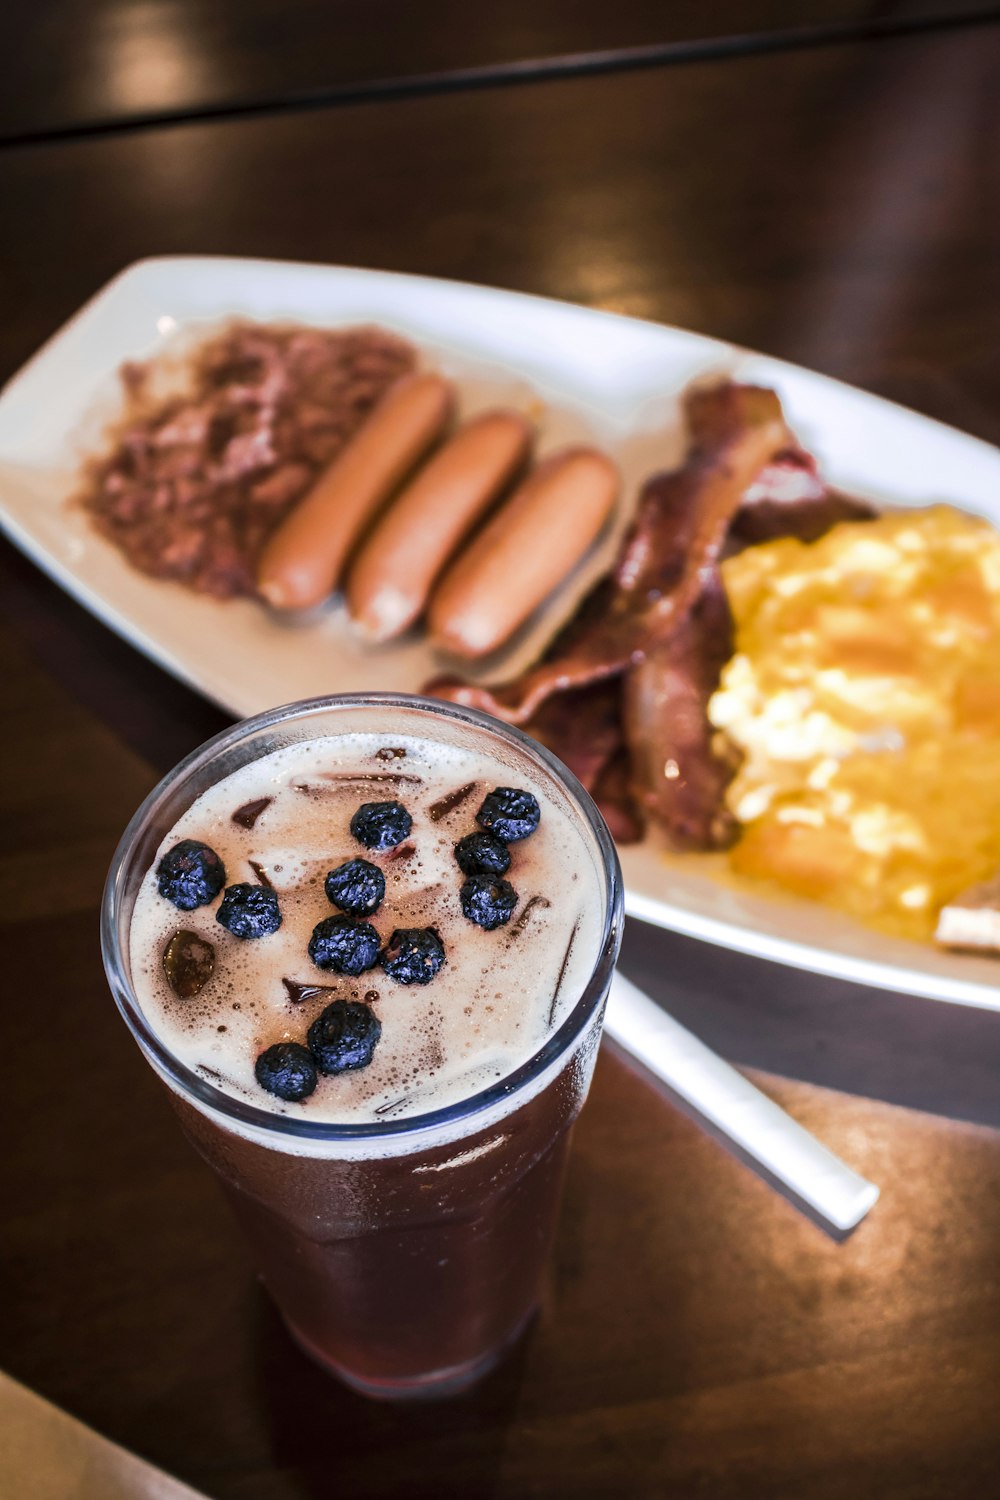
(204, 1093)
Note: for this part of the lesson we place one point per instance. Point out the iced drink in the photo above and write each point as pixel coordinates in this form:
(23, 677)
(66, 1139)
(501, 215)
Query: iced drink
(373, 978)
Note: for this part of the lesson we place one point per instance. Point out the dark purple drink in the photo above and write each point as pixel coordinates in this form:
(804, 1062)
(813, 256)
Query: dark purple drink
(391, 1268)
(401, 1223)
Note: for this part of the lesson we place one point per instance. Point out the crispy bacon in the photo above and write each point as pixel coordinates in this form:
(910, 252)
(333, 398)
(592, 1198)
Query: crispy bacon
(680, 766)
(613, 795)
(583, 728)
(789, 498)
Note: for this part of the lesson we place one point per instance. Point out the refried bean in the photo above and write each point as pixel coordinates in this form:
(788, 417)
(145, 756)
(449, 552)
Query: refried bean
(195, 482)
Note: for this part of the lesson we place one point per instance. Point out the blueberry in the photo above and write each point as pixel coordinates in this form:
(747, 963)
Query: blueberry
(487, 900)
(343, 945)
(357, 887)
(381, 825)
(413, 955)
(344, 1036)
(286, 1070)
(249, 911)
(482, 854)
(190, 874)
(509, 813)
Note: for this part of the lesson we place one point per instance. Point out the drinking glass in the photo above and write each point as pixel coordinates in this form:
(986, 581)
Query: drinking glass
(405, 1256)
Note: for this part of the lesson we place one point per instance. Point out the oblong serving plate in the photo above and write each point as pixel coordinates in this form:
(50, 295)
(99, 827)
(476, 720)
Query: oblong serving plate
(617, 380)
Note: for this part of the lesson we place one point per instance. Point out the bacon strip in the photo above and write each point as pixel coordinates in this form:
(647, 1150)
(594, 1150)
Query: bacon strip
(789, 498)
(583, 728)
(679, 769)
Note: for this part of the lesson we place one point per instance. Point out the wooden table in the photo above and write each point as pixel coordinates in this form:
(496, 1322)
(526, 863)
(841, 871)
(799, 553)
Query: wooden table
(76, 66)
(835, 204)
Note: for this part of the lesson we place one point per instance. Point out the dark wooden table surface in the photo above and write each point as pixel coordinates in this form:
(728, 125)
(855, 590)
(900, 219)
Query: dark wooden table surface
(90, 65)
(835, 204)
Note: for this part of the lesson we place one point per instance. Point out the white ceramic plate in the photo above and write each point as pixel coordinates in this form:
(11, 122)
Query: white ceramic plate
(613, 378)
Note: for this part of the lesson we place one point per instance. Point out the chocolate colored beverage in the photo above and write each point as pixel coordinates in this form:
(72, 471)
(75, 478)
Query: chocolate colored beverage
(366, 943)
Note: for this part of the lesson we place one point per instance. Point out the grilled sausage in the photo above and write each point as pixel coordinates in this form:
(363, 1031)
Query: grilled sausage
(392, 576)
(530, 544)
(303, 559)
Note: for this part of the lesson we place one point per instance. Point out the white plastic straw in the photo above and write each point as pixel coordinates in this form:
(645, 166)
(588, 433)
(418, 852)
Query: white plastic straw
(738, 1110)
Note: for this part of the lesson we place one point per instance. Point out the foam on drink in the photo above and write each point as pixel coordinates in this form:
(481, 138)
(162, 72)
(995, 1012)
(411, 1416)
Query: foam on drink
(499, 993)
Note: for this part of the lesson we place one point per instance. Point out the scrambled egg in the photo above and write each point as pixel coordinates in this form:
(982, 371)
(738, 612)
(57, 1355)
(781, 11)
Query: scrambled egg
(865, 696)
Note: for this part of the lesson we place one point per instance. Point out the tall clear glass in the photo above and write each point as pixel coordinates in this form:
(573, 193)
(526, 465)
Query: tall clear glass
(405, 1256)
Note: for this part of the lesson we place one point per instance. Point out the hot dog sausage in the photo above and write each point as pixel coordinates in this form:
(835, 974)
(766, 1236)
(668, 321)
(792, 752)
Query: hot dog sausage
(394, 572)
(523, 552)
(302, 560)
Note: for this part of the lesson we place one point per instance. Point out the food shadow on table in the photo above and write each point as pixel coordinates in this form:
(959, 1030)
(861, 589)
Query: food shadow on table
(903, 1049)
